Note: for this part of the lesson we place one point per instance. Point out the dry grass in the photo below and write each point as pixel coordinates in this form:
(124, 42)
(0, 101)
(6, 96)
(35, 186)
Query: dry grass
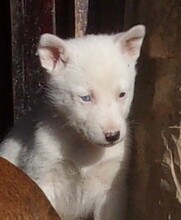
(169, 159)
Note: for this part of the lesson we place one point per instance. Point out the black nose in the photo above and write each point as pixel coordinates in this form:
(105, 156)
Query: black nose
(112, 136)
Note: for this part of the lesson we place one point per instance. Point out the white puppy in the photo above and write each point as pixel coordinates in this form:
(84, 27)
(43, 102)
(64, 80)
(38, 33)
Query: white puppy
(74, 145)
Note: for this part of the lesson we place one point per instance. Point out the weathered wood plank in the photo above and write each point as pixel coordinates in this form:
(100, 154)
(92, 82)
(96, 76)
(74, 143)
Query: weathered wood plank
(29, 20)
(157, 107)
(81, 15)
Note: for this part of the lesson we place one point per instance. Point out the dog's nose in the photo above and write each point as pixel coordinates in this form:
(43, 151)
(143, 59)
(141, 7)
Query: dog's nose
(112, 136)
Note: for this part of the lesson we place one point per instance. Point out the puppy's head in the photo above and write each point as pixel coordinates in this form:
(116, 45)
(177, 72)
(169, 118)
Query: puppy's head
(92, 80)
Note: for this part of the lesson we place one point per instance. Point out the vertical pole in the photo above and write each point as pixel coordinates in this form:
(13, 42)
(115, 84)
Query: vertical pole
(81, 15)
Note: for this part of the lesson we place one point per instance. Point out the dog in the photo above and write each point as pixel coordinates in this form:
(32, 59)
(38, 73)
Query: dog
(75, 144)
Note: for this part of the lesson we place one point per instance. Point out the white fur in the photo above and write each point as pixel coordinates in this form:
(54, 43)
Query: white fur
(10, 150)
(81, 172)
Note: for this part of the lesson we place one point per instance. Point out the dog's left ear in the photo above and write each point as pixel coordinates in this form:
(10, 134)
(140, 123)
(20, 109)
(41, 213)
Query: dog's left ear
(131, 41)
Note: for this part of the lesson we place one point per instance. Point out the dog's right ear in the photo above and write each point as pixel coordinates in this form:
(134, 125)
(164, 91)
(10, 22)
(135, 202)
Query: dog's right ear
(52, 52)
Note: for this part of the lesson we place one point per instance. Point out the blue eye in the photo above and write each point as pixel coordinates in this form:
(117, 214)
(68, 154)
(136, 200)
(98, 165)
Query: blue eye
(86, 98)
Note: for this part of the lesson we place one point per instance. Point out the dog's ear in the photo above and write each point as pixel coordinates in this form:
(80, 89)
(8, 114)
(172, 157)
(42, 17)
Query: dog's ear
(131, 41)
(52, 52)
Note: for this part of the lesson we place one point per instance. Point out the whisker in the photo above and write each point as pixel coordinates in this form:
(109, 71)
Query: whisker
(66, 124)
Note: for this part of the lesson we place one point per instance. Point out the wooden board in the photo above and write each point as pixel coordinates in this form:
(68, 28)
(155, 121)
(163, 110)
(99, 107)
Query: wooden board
(157, 109)
(29, 19)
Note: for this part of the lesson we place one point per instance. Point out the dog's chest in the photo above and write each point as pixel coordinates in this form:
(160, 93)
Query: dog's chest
(107, 167)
